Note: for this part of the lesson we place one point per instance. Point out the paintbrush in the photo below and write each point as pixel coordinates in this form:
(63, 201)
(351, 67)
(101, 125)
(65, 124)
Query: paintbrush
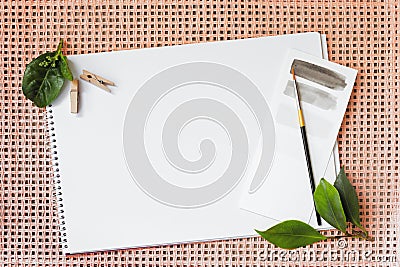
(305, 142)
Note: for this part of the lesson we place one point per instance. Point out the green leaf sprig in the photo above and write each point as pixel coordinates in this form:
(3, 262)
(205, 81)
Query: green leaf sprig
(337, 204)
(44, 77)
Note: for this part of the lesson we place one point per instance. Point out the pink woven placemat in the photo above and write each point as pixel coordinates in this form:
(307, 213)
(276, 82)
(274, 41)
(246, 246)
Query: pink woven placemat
(361, 34)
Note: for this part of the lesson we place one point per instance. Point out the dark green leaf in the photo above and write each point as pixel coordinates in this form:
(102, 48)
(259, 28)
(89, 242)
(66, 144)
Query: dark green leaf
(42, 84)
(66, 72)
(349, 198)
(329, 206)
(291, 234)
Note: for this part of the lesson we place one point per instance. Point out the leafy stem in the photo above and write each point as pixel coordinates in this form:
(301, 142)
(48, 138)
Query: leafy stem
(59, 47)
(360, 235)
(44, 77)
(337, 204)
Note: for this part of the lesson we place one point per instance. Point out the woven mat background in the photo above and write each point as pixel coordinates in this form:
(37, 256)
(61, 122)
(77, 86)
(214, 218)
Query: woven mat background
(361, 34)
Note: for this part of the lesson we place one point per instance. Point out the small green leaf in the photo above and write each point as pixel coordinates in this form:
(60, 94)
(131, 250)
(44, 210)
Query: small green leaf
(329, 206)
(42, 83)
(291, 234)
(66, 72)
(349, 198)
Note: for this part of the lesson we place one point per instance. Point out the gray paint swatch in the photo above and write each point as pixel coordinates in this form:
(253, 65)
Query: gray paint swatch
(312, 95)
(318, 74)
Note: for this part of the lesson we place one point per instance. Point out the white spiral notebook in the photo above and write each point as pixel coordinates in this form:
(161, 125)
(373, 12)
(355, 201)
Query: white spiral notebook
(168, 155)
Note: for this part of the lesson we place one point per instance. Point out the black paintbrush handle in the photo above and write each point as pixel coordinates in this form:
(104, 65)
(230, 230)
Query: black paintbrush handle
(309, 167)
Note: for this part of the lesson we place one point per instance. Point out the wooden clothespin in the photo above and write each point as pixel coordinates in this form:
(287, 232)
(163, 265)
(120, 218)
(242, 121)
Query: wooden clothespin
(74, 96)
(96, 80)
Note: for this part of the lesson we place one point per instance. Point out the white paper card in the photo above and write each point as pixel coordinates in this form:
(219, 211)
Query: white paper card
(325, 89)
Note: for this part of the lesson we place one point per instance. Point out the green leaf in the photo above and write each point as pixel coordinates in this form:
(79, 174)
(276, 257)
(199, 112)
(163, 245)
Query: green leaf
(349, 198)
(42, 84)
(328, 204)
(66, 72)
(291, 234)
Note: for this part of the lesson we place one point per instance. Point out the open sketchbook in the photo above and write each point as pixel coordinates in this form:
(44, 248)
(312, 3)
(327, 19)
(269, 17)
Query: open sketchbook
(167, 156)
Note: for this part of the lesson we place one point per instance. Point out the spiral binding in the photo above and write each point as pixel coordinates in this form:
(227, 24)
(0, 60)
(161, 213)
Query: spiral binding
(57, 176)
